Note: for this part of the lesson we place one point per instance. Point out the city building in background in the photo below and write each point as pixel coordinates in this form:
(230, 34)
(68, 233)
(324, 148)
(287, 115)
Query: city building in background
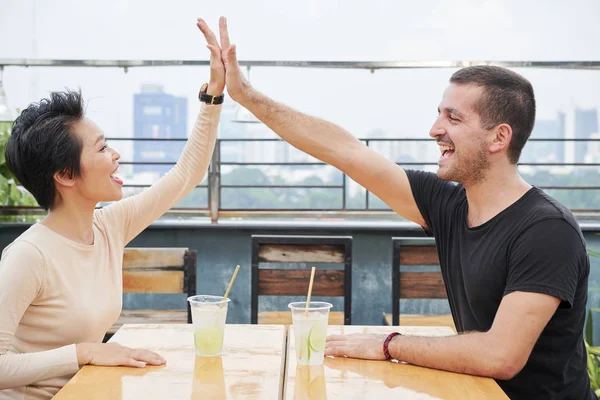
(593, 154)
(158, 115)
(550, 151)
(574, 123)
(586, 124)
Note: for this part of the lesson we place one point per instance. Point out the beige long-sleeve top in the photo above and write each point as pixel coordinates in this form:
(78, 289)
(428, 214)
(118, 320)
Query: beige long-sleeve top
(55, 293)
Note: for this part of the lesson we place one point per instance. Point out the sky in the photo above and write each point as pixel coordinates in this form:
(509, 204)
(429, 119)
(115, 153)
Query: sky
(397, 102)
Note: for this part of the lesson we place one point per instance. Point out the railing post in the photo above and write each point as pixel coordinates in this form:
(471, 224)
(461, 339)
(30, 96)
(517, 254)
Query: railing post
(214, 183)
(343, 191)
(366, 190)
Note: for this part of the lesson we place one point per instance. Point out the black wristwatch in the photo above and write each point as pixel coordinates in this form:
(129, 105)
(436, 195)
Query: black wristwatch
(207, 98)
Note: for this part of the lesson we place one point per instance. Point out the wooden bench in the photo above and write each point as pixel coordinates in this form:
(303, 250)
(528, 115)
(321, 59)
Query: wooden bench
(416, 284)
(294, 282)
(157, 270)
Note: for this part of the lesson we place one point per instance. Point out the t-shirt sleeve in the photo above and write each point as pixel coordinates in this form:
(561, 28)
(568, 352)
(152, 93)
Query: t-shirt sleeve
(22, 275)
(435, 198)
(549, 257)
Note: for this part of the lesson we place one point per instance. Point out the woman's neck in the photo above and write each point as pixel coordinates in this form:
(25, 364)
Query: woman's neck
(73, 221)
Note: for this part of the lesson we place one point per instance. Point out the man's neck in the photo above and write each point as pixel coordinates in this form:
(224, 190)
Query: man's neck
(73, 221)
(493, 194)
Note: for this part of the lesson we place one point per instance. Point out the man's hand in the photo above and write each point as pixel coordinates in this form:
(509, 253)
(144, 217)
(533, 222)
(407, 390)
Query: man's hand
(237, 86)
(113, 354)
(216, 83)
(367, 346)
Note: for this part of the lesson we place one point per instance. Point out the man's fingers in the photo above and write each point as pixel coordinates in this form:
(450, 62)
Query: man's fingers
(232, 56)
(230, 59)
(336, 351)
(223, 33)
(336, 338)
(336, 348)
(208, 34)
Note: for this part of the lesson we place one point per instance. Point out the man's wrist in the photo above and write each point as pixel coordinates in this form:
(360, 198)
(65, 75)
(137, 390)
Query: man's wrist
(246, 96)
(386, 345)
(393, 347)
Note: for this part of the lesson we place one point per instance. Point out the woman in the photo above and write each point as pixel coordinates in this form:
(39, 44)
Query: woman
(61, 280)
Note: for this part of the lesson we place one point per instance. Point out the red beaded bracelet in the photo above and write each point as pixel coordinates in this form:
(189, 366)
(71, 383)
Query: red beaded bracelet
(386, 343)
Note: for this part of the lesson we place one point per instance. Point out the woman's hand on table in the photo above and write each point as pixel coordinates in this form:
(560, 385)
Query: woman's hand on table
(113, 354)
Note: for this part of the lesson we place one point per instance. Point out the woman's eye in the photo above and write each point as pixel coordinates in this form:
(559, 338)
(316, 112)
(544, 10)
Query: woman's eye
(103, 147)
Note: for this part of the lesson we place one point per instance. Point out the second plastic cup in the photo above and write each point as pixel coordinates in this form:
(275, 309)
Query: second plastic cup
(310, 331)
(208, 318)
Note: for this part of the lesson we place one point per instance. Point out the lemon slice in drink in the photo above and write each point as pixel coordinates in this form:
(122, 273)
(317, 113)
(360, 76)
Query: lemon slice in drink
(304, 350)
(316, 337)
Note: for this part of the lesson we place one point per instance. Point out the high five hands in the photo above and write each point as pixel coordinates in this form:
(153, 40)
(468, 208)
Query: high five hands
(224, 67)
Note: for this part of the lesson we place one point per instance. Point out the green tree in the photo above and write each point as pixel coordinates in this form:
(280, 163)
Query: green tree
(248, 198)
(10, 193)
(572, 198)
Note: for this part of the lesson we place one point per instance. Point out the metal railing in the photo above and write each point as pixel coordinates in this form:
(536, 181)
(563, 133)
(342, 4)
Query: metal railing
(215, 186)
(368, 65)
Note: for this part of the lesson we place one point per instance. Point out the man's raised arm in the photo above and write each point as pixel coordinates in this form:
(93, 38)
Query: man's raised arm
(322, 140)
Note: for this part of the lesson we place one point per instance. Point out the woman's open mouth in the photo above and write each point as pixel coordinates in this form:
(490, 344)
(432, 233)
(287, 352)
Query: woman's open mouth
(115, 178)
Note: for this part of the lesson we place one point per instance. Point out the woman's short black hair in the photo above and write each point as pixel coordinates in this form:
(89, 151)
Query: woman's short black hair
(43, 142)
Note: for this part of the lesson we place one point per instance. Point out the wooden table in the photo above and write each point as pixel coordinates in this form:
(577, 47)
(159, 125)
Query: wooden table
(346, 378)
(252, 366)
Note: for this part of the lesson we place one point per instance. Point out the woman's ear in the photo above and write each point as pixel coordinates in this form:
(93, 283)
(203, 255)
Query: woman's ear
(64, 178)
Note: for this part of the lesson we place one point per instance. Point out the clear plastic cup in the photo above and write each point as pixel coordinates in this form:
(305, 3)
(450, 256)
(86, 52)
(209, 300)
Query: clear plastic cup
(310, 331)
(208, 318)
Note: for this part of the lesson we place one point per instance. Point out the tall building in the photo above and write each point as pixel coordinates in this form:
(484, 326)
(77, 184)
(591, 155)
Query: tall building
(593, 152)
(546, 151)
(580, 124)
(231, 151)
(158, 115)
(586, 123)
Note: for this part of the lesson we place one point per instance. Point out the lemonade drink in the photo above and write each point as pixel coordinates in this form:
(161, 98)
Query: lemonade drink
(310, 331)
(208, 317)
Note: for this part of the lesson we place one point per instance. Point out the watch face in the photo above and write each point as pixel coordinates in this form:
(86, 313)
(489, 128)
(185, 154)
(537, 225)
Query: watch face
(204, 88)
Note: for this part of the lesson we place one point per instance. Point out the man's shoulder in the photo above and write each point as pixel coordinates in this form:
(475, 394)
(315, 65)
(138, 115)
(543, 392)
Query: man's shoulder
(429, 181)
(543, 207)
(541, 211)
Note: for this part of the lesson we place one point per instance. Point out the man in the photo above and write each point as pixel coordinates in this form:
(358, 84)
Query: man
(513, 259)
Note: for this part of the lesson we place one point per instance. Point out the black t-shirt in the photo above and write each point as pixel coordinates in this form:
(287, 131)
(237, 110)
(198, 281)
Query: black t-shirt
(534, 245)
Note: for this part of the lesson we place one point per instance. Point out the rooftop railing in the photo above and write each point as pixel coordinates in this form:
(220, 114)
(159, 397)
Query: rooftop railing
(286, 186)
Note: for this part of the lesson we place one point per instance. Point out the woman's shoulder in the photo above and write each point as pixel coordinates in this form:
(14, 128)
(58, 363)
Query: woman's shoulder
(24, 256)
(29, 244)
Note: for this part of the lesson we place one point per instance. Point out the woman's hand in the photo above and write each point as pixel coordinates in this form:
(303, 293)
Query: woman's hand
(113, 354)
(216, 83)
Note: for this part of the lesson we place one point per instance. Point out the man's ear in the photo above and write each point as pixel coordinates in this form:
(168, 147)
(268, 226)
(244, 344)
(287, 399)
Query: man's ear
(64, 178)
(502, 135)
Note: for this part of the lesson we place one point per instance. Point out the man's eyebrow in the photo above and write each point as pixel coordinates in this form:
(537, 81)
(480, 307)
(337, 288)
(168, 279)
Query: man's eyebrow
(98, 139)
(454, 111)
